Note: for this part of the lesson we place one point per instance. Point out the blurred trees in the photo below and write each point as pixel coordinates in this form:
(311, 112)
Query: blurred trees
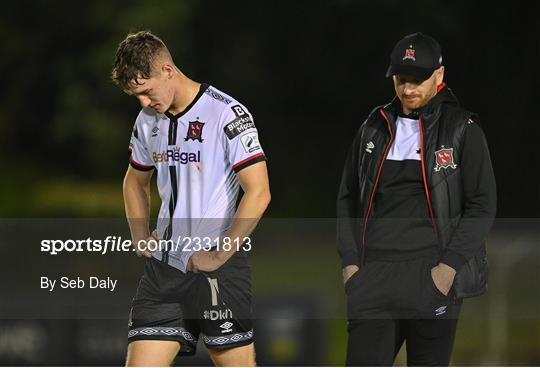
(310, 71)
(62, 120)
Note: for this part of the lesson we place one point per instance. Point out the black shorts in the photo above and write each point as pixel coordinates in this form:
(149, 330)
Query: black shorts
(176, 306)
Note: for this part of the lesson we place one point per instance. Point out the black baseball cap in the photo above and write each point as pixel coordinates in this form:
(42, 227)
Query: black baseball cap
(417, 55)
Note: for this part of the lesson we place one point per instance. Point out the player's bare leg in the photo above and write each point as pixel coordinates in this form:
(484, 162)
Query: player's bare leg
(242, 356)
(145, 353)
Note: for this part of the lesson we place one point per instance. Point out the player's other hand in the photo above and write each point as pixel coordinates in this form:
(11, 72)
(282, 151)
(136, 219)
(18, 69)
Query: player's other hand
(443, 277)
(141, 246)
(204, 261)
(348, 271)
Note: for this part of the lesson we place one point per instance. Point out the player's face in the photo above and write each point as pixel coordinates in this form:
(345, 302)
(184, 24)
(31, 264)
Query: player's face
(155, 92)
(415, 93)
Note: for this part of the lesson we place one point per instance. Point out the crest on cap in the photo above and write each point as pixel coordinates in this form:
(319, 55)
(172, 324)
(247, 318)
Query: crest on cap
(409, 54)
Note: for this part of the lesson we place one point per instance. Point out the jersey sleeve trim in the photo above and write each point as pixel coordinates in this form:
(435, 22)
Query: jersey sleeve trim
(249, 161)
(137, 165)
(140, 167)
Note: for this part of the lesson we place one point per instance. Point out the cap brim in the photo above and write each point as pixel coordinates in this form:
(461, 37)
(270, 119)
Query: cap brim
(414, 71)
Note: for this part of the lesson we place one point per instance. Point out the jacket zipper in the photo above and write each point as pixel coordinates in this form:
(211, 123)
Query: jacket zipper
(368, 213)
(428, 196)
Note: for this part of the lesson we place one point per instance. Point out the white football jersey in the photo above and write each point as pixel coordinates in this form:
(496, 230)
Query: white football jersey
(196, 154)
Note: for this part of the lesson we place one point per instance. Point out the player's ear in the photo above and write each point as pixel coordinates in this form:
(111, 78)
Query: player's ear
(439, 75)
(168, 69)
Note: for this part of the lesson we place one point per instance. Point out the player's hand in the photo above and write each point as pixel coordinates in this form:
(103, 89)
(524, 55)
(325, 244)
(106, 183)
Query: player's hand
(348, 271)
(443, 277)
(204, 261)
(141, 247)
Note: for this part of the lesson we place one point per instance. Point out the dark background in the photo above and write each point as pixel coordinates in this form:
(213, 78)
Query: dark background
(310, 72)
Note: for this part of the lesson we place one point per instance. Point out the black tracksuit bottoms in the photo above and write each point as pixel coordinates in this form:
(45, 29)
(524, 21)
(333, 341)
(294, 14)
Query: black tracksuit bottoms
(391, 302)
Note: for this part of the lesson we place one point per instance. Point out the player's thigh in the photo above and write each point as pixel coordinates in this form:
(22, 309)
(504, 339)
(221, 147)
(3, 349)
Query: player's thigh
(243, 356)
(143, 353)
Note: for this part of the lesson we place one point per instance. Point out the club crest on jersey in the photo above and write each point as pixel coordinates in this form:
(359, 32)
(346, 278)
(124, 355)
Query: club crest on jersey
(194, 131)
(409, 54)
(444, 158)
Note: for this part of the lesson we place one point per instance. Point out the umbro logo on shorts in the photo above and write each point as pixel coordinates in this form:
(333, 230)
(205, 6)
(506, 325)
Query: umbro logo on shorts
(226, 327)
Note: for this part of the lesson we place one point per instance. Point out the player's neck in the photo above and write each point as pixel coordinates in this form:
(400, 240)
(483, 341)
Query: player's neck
(185, 92)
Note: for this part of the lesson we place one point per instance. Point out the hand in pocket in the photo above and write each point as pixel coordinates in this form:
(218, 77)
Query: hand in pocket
(442, 277)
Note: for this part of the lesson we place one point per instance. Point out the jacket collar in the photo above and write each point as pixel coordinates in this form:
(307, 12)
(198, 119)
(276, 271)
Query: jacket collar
(428, 112)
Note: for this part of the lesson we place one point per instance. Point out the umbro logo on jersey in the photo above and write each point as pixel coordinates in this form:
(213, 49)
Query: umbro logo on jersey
(155, 131)
(175, 155)
(440, 310)
(194, 131)
(369, 147)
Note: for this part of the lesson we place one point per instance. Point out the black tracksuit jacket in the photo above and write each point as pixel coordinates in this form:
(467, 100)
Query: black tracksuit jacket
(460, 192)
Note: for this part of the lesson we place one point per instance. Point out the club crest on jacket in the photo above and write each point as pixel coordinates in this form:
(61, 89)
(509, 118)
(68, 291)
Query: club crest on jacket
(444, 158)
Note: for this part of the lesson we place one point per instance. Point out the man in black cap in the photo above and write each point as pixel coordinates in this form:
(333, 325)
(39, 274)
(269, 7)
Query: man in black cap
(416, 202)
